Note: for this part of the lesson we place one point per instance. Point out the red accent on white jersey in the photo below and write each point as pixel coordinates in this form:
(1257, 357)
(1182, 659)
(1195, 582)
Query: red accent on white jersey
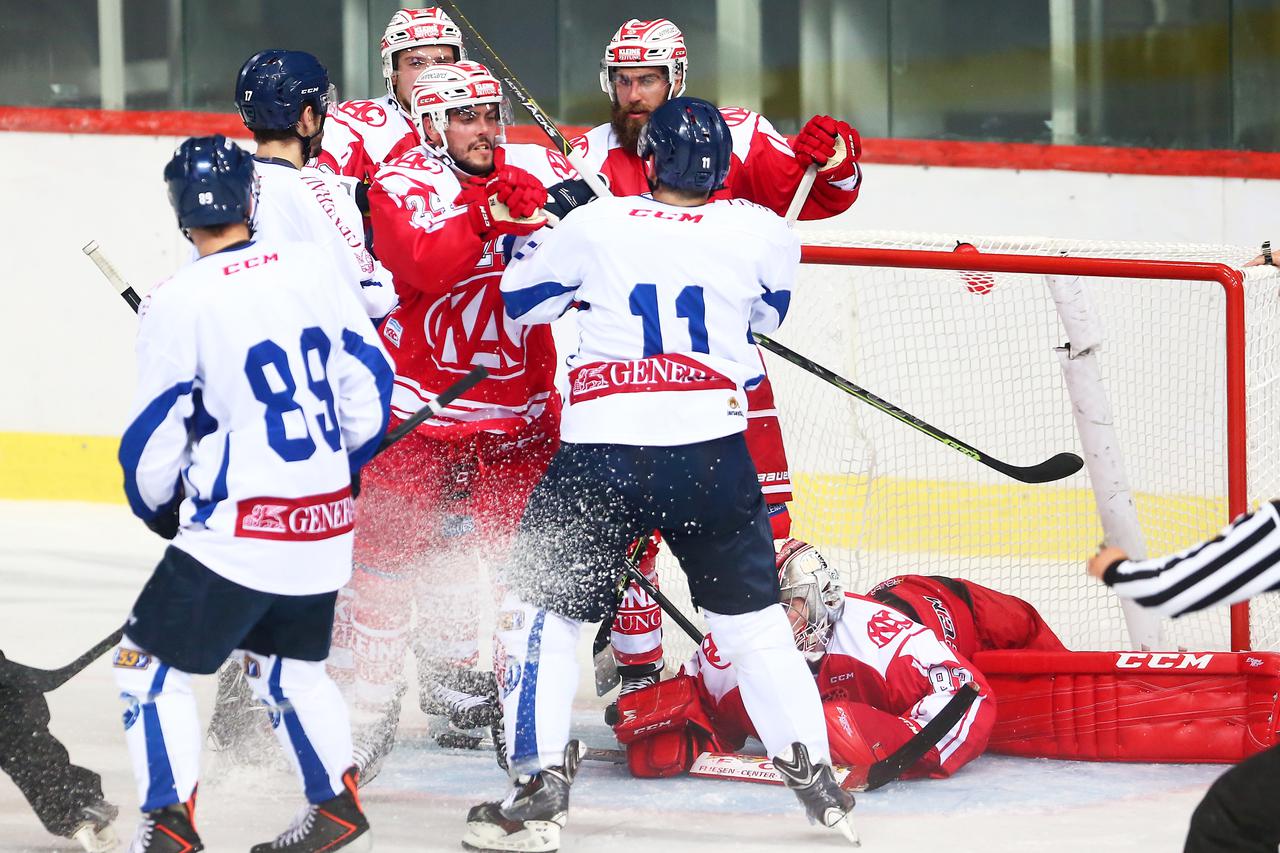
(892, 690)
(643, 376)
(763, 168)
(451, 318)
(361, 136)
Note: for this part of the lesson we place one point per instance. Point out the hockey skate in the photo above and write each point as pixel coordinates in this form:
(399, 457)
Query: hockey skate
(171, 829)
(373, 736)
(336, 824)
(824, 801)
(531, 817)
(468, 699)
(633, 678)
(93, 827)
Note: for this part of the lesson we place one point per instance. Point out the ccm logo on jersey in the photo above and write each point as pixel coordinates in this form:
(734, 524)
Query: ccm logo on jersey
(662, 214)
(1162, 660)
(249, 263)
(303, 519)
(657, 373)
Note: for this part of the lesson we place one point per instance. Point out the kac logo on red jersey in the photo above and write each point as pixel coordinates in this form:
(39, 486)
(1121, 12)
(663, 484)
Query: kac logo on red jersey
(303, 519)
(368, 113)
(884, 626)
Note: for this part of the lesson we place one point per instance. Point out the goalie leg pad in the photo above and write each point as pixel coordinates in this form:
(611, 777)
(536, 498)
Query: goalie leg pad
(664, 727)
(309, 718)
(161, 725)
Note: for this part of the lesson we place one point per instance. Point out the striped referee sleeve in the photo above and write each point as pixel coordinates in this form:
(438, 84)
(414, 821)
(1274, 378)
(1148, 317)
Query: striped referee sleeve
(1237, 564)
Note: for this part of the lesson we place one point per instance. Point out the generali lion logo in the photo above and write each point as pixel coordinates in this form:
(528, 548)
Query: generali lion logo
(266, 518)
(368, 113)
(592, 377)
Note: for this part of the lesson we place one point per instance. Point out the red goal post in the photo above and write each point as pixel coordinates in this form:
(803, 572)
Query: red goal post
(1189, 359)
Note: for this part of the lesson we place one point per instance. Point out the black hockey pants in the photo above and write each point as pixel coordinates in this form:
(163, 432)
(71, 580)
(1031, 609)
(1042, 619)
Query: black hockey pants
(1241, 811)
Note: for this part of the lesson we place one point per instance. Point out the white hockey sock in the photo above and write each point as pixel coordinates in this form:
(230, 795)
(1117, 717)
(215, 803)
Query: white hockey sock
(777, 688)
(161, 726)
(539, 680)
(309, 718)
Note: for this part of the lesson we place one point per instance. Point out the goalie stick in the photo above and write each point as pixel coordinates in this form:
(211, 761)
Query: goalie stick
(44, 680)
(1054, 468)
(521, 94)
(755, 768)
(430, 410)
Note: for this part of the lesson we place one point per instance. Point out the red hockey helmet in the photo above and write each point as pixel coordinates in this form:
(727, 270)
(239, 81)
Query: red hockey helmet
(639, 44)
(418, 28)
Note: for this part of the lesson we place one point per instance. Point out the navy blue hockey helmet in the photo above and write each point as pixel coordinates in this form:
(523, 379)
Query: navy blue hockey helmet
(274, 85)
(210, 182)
(690, 145)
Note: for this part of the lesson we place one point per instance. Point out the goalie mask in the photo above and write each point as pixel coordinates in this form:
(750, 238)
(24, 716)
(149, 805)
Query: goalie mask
(812, 595)
(453, 86)
(641, 44)
(417, 28)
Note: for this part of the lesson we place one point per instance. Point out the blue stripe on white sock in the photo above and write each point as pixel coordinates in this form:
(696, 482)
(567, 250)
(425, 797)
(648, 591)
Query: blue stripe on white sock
(526, 745)
(315, 778)
(161, 789)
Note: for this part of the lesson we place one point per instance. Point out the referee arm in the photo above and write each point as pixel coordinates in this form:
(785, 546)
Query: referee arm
(1237, 564)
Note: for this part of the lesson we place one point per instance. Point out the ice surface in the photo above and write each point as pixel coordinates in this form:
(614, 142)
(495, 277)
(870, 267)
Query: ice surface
(70, 571)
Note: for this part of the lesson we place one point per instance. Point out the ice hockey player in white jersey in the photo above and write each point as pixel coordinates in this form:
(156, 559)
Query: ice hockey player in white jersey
(652, 439)
(282, 96)
(262, 390)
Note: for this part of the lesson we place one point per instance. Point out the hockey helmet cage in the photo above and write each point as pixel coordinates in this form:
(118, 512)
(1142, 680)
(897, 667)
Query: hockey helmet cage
(638, 44)
(811, 590)
(418, 28)
(451, 85)
(274, 85)
(690, 144)
(211, 182)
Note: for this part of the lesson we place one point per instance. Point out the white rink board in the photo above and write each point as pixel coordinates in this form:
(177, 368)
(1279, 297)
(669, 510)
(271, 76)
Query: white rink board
(70, 571)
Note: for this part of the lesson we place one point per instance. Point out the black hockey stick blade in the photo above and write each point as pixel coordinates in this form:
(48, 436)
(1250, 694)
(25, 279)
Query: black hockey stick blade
(606, 667)
(1055, 468)
(905, 757)
(430, 410)
(45, 680)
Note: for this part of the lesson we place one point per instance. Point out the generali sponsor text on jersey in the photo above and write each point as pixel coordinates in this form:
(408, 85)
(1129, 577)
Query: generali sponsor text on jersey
(657, 373)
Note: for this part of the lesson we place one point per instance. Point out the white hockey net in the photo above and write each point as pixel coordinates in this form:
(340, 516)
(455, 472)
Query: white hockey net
(973, 355)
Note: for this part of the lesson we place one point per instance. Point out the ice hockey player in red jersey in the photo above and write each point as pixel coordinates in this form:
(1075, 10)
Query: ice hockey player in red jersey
(451, 493)
(645, 64)
(881, 676)
(361, 135)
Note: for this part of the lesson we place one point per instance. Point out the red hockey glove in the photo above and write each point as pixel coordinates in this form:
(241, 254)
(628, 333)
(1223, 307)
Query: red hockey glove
(830, 143)
(664, 728)
(508, 201)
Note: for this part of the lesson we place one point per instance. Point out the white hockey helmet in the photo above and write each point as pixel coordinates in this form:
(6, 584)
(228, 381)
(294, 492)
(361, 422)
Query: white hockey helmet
(454, 85)
(812, 595)
(642, 43)
(417, 28)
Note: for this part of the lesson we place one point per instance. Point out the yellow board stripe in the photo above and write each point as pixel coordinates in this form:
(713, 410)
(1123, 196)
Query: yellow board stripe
(967, 519)
(46, 467)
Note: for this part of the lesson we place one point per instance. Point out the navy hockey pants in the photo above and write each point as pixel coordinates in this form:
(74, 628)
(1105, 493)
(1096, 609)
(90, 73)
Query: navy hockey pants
(596, 498)
(1241, 811)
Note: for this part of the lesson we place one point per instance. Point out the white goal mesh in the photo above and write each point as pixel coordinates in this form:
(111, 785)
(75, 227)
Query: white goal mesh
(973, 354)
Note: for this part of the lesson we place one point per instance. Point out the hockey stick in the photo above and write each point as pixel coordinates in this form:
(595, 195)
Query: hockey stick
(802, 193)
(521, 94)
(44, 680)
(606, 667)
(430, 410)
(113, 275)
(1054, 468)
(665, 603)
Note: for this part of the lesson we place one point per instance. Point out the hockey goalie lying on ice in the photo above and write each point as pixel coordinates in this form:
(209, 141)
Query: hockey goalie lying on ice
(885, 671)
(882, 676)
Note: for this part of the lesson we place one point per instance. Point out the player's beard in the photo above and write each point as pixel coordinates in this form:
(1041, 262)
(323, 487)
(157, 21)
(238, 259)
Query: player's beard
(474, 162)
(625, 127)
